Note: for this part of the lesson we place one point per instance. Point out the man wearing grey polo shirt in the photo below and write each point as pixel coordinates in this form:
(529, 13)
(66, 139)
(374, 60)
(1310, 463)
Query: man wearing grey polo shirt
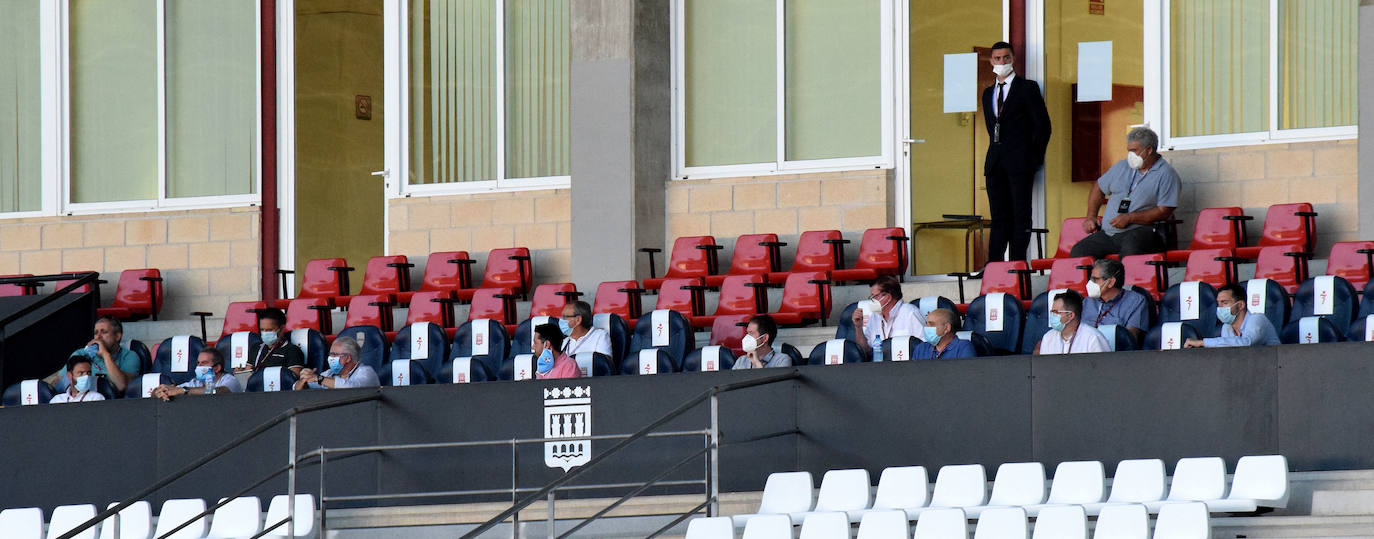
(1138, 190)
(1109, 303)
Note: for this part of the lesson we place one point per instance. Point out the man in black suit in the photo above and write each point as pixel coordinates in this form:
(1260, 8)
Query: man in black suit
(1018, 130)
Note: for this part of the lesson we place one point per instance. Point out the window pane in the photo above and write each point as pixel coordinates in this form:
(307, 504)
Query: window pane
(1220, 67)
(730, 82)
(1317, 82)
(453, 91)
(20, 123)
(536, 88)
(211, 97)
(834, 77)
(113, 53)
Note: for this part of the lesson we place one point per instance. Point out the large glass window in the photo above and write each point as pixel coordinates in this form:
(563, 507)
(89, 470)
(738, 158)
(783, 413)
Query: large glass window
(20, 105)
(465, 77)
(816, 66)
(1254, 69)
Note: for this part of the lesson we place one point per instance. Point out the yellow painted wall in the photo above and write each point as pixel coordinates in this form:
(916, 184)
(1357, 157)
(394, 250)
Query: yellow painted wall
(339, 204)
(946, 170)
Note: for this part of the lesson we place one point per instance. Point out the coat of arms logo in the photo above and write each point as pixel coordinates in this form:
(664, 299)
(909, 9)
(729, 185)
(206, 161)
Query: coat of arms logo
(567, 417)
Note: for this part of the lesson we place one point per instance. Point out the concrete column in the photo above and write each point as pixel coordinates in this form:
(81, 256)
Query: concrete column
(621, 128)
(1366, 151)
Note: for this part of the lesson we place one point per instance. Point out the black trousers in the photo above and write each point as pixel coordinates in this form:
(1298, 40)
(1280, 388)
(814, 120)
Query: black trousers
(1009, 199)
(1136, 241)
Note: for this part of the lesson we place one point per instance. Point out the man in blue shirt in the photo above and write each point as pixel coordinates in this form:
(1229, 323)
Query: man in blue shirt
(1238, 328)
(1138, 190)
(1109, 304)
(940, 339)
(108, 358)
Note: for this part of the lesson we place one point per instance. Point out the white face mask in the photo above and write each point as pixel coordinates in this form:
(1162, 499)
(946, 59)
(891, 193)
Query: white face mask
(749, 343)
(1134, 161)
(1002, 70)
(1094, 290)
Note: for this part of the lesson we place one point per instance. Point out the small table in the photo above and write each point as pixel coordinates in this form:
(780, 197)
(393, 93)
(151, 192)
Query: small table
(968, 223)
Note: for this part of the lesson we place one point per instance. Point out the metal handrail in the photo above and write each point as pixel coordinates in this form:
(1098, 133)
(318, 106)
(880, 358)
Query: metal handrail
(81, 279)
(240, 440)
(641, 433)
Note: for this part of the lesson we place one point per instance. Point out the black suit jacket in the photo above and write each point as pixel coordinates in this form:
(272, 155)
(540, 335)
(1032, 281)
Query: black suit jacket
(1025, 129)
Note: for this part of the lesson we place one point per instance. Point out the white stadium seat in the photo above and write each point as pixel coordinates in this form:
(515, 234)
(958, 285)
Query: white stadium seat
(279, 510)
(65, 518)
(1136, 481)
(1260, 481)
(841, 490)
(134, 522)
(947, 523)
(900, 487)
(827, 525)
(1061, 522)
(1123, 521)
(1002, 523)
(1196, 479)
(1183, 521)
(962, 485)
(784, 492)
(768, 527)
(1075, 483)
(241, 517)
(710, 528)
(883, 525)
(22, 523)
(175, 512)
(1016, 484)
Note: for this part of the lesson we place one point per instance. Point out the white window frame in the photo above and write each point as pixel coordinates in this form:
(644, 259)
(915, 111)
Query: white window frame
(780, 165)
(1159, 100)
(398, 81)
(55, 80)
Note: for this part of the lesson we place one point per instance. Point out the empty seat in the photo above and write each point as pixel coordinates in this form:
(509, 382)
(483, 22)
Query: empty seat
(783, 493)
(899, 487)
(594, 364)
(1193, 303)
(805, 299)
(900, 348)
(1327, 296)
(1260, 481)
(1070, 233)
(435, 307)
(464, 370)
(728, 331)
(21, 289)
(388, 276)
(482, 340)
(1016, 484)
(710, 528)
(370, 310)
(494, 304)
(310, 313)
(271, 379)
(837, 352)
(279, 513)
(1352, 261)
(447, 271)
(404, 372)
(739, 295)
(620, 298)
(841, 490)
(135, 521)
(817, 250)
(684, 295)
(1285, 265)
(1135, 481)
(137, 296)
(1122, 521)
(666, 330)
(709, 359)
(1075, 483)
(1071, 273)
(1196, 479)
(1311, 330)
(325, 278)
(28, 393)
(550, 298)
(1002, 523)
(755, 254)
(979, 342)
(1184, 521)
(241, 316)
(1169, 336)
(424, 342)
(22, 523)
(692, 256)
(239, 517)
(943, 523)
(998, 318)
(882, 251)
(66, 518)
(824, 526)
(176, 357)
(883, 525)
(1146, 272)
(1289, 225)
(1214, 228)
(768, 527)
(176, 512)
(957, 485)
(506, 268)
(999, 277)
(1212, 266)
(1362, 329)
(649, 361)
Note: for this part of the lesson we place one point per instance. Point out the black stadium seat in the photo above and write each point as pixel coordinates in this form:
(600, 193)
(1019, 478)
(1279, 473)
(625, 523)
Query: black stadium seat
(1152, 339)
(900, 348)
(649, 360)
(836, 351)
(470, 371)
(165, 364)
(1172, 307)
(134, 389)
(313, 347)
(1310, 330)
(372, 342)
(1267, 295)
(14, 394)
(415, 369)
(497, 344)
(594, 364)
(285, 380)
(619, 332)
(237, 350)
(1310, 298)
(709, 358)
(435, 345)
(671, 330)
(980, 319)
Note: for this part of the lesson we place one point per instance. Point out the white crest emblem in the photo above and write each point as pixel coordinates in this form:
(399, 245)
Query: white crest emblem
(567, 417)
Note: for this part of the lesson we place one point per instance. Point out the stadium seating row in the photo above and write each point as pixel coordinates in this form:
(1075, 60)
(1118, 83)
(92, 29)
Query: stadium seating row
(240, 517)
(138, 294)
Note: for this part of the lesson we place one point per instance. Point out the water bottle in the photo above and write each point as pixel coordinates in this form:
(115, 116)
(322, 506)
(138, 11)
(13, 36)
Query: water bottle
(877, 350)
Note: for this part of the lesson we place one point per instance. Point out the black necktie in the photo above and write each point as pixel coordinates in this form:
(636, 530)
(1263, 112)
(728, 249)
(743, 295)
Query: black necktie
(1001, 86)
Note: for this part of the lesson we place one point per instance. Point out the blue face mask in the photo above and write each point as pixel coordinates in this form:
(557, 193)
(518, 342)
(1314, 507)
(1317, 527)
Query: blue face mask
(84, 382)
(1056, 322)
(269, 338)
(202, 371)
(545, 361)
(1225, 315)
(335, 363)
(564, 327)
(930, 334)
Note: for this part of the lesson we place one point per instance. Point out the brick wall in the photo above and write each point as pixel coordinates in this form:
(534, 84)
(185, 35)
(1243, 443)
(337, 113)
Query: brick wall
(538, 220)
(1254, 177)
(849, 201)
(208, 258)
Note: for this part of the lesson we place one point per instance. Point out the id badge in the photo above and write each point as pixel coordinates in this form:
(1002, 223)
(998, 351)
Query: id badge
(997, 132)
(1124, 207)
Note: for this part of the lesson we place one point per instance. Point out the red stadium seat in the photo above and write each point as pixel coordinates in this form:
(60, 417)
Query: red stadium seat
(80, 289)
(1007, 277)
(1290, 225)
(1071, 273)
(370, 310)
(310, 313)
(550, 298)
(241, 316)
(1147, 272)
(137, 296)
(684, 295)
(506, 268)
(881, 252)
(1285, 265)
(1212, 266)
(621, 298)
(755, 254)
(805, 299)
(817, 250)
(385, 275)
(18, 289)
(739, 295)
(435, 307)
(447, 270)
(692, 256)
(1070, 233)
(325, 278)
(1215, 228)
(494, 304)
(1353, 261)
(728, 331)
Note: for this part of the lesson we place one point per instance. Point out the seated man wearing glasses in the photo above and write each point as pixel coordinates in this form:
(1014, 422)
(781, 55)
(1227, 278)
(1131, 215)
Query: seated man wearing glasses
(1067, 335)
